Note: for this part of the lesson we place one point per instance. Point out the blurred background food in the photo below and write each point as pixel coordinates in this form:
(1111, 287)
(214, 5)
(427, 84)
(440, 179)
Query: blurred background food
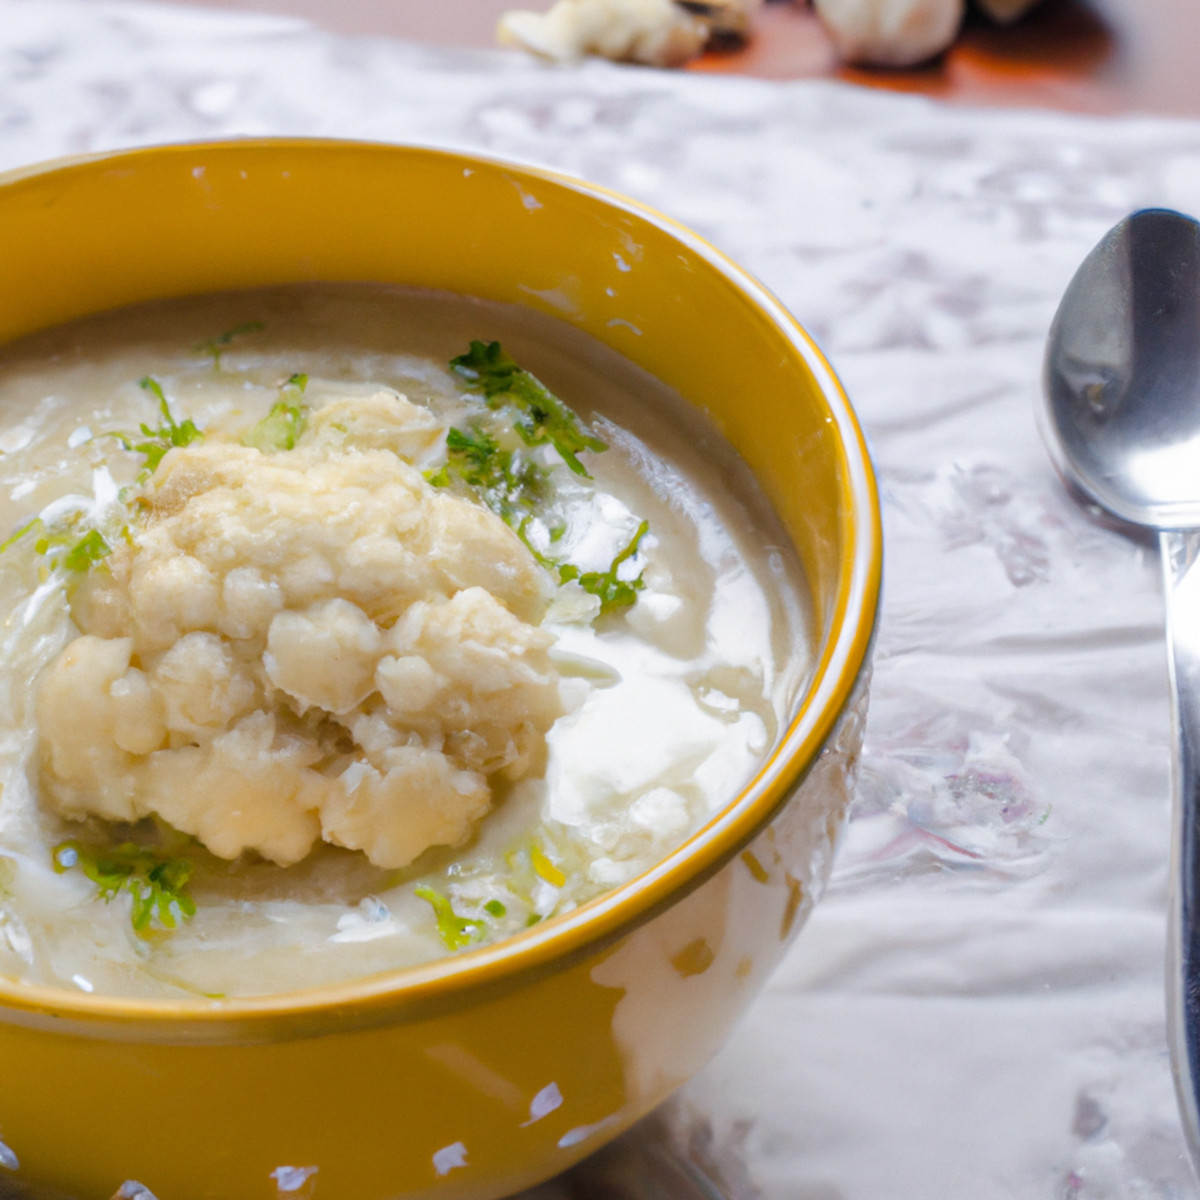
(891, 33)
(659, 33)
(1082, 55)
(666, 33)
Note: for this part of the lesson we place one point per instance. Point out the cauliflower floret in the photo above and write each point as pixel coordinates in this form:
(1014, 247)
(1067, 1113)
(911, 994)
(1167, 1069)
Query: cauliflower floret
(173, 595)
(407, 684)
(203, 686)
(383, 421)
(421, 800)
(303, 644)
(655, 32)
(494, 694)
(139, 713)
(890, 33)
(248, 602)
(246, 789)
(80, 709)
(324, 657)
(320, 522)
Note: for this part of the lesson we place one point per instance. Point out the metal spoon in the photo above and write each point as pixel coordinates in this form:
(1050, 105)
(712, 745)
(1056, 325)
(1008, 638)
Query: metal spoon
(1123, 400)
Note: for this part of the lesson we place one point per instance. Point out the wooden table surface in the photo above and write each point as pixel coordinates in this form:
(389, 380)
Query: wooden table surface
(1101, 56)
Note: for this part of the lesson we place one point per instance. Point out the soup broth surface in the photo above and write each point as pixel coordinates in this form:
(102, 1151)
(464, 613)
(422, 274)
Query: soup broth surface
(665, 701)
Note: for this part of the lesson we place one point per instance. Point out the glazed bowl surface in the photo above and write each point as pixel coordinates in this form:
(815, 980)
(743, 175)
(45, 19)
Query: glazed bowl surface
(485, 1072)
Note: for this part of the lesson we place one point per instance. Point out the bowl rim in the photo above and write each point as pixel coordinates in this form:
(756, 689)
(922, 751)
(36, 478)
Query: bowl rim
(546, 947)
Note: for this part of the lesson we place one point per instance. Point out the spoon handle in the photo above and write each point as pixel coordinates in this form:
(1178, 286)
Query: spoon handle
(1181, 569)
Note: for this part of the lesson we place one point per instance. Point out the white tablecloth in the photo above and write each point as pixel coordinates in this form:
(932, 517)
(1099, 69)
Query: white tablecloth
(975, 1011)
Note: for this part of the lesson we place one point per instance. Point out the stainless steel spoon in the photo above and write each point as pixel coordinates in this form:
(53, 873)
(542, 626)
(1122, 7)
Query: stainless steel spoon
(1123, 400)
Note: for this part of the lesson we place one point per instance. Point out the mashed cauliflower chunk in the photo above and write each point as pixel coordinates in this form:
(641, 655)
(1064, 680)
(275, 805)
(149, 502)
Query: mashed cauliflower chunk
(300, 645)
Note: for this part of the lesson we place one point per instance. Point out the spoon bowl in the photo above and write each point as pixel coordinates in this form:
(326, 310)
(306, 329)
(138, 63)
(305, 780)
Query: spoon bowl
(1123, 372)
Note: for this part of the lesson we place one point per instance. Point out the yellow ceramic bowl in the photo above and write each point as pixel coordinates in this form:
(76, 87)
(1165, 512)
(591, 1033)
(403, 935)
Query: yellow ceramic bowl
(479, 1074)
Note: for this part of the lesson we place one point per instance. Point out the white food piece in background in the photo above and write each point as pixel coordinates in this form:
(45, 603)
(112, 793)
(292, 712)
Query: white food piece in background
(652, 32)
(313, 643)
(1006, 11)
(890, 33)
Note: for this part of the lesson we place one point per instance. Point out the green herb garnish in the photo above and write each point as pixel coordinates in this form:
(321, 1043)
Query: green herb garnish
(14, 538)
(53, 539)
(86, 552)
(495, 908)
(158, 441)
(474, 457)
(455, 931)
(506, 482)
(82, 553)
(215, 347)
(517, 488)
(156, 885)
(541, 417)
(613, 591)
(281, 428)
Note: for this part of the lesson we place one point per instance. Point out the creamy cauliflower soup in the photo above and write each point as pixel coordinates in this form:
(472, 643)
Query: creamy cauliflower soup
(353, 626)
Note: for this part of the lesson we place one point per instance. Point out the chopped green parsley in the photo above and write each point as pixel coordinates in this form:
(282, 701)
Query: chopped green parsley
(158, 441)
(157, 885)
(281, 428)
(541, 418)
(505, 481)
(613, 591)
(14, 538)
(86, 552)
(82, 553)
(517, 488)
(216, 346)
(455, 931)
